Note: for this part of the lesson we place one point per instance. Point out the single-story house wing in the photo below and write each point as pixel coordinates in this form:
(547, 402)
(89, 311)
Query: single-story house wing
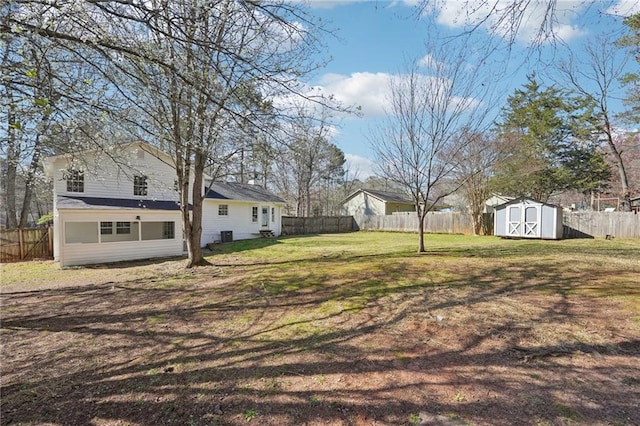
(240, 211)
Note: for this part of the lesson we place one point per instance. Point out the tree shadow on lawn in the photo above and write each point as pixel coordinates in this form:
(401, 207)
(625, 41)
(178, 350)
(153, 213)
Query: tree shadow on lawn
(526, 247)
(362, 351)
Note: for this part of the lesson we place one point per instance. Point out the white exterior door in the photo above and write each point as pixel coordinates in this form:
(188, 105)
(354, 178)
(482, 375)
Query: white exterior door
(523, 220)
(265, 217)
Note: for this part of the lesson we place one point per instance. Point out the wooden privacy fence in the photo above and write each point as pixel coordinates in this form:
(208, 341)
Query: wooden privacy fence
(436, 223)
(576, 224)
(292, 225)
(601, 224)
(25, 244)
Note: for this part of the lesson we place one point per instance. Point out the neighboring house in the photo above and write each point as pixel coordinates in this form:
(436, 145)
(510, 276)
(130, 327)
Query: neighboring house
(369, 202)
(495, 200)
(124, 205)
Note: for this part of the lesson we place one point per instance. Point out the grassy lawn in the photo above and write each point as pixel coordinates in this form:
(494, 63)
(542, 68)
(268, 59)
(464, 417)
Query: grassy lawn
(349, 329)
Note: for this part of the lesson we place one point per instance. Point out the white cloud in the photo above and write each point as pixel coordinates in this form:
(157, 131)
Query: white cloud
(359, 166)
(372, 91)
(410, 3)
(624, 8)
(428, 61)
(495, 15)
(369, 91)
(329, 4)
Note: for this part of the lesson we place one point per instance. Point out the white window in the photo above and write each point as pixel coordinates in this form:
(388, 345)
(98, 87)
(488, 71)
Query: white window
(223, 210)
(139, 185)
(169, 230)
(106, 228)
(75, 180)
(254, 214)
(123, 227)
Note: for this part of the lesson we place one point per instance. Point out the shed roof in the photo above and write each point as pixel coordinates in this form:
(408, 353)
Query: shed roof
(525, 199)
(241, 192)
(97, 203)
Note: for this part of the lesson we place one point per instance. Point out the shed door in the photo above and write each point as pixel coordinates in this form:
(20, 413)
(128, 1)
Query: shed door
(523, 220)
(532, 221)
(514, 220)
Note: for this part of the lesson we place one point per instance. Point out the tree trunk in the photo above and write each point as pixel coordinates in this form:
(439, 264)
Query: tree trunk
(29, 181)
(421, 215)
(307, 196)
(10, 193)
(12, 168)
(625, 205)
(477, 223)
(194, 239)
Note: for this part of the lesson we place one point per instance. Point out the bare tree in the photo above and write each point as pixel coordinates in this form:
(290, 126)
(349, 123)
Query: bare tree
(418, 147)
(308, 158)
(476, 159)
(43, 90)
(192, 72)
(538, 21)
(596, 76)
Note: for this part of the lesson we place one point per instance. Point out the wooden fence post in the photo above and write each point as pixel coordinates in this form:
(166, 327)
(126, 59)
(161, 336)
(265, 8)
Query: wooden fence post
(21, 243)
(50, 238)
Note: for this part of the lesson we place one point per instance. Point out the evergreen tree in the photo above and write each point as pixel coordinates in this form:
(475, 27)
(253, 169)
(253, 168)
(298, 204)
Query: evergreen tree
(632, 79)
(552, 141)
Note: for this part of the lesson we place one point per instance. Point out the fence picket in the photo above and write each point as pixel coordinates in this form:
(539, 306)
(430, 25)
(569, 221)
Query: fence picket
(24, 244)
(576, 224)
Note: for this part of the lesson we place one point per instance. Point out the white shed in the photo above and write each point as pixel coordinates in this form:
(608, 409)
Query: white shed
(527, 218)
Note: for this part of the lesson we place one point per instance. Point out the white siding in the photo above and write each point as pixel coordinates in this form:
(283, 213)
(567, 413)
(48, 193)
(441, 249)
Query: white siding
(547, 219)
(238, 220)
(105, 177)
(56, 229)
(85, 253)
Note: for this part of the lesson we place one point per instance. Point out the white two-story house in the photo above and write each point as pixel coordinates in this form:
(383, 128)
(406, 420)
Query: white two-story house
(123, 204)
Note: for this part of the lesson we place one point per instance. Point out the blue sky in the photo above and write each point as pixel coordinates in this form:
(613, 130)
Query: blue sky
(375, 40)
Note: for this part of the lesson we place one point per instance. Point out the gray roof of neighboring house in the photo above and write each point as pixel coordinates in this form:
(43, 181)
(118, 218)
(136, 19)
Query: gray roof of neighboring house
(241, 192)
(66, 202)
(393, 197)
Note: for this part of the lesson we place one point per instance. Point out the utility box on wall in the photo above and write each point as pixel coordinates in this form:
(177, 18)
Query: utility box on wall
(527, 218)
(226, 236)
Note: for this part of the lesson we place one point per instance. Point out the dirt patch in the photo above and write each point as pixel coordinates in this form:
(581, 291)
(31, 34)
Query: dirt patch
(232, 344)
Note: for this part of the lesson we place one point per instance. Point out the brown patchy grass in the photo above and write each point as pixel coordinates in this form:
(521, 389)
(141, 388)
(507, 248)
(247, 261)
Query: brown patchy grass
(352, 329)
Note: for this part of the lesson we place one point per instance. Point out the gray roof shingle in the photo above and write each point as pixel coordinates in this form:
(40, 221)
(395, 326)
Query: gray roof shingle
(241, 192)
(394, 197)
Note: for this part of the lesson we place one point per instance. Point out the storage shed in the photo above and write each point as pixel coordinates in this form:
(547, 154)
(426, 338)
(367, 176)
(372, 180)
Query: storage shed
(527, 218)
